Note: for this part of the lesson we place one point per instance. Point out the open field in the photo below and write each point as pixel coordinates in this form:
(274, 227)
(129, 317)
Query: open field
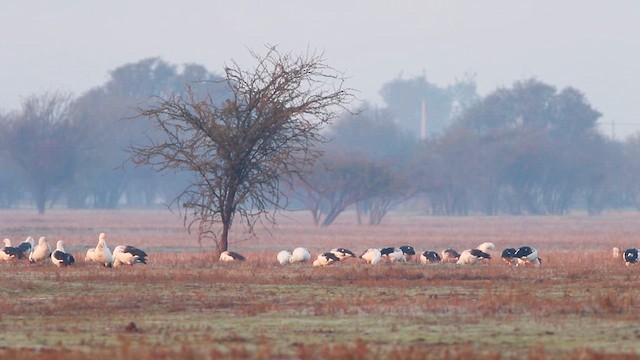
(580, 304)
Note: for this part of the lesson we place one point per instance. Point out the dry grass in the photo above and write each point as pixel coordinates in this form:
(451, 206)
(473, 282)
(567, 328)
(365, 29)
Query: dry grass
(579, 305)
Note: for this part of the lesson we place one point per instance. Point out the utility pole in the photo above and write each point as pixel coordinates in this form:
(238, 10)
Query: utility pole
(423, 120)
(613, 129)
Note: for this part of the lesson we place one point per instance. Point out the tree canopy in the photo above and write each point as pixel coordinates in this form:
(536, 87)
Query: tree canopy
(240, 148)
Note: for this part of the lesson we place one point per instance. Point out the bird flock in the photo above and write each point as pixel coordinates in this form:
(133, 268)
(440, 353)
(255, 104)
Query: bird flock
(60, 257)
(130, 255)
(521, 256)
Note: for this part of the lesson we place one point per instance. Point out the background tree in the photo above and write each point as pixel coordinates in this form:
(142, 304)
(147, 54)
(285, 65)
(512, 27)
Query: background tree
(11, 176)
(542, 140)
(630, 172)
(404, 98)
(240, 150)
(103, 181)
(381, 149)
(340, 181)
(42, 140)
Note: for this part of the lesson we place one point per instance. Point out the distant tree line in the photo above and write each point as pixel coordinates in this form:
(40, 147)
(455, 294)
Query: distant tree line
(526, 149)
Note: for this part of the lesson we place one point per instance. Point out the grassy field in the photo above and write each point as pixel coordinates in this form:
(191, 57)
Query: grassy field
(580, 304)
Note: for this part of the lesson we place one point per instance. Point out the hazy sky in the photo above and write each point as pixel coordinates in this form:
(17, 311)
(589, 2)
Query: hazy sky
(72, 45)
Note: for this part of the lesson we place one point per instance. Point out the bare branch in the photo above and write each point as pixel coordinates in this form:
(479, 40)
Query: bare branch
(240, 148)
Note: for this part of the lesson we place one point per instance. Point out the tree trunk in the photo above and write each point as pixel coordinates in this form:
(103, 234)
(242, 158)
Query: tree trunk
(40, 195)
(223, 242)
(40, 203)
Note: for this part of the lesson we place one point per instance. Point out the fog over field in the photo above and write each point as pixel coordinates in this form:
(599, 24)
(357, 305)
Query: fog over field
(69, 45)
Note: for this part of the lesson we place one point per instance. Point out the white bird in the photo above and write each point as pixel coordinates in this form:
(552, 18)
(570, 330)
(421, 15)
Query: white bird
(343, 253)
(527, 255)
(40, 251)
(486, 247)
(227, 256)
(472, 256)
(90, 255)
(128, 255)
(372, 256)
(299, 255)
(325, 259)
(102, 253)
(284, 256)
(615, 252)
(60, 257)
(392, 254)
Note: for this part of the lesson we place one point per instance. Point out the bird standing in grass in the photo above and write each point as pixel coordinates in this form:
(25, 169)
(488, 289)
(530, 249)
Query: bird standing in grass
(429, 257)
(631, 256)
(90, 255)
(283, 257)
(450, 255)
(102, 253)
(8, 252)
(508, 256)
(60, 257)
(527, 255)
(472, 256)
(407, 252)
(343, 253)
(615, 252)
(372, 256)
(27, 246)
(128, 255)
(228, 256)
(325, 259)
(392, 254)
(40, 251)
(299, 255)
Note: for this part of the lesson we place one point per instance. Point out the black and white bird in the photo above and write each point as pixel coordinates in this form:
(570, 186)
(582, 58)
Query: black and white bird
(9, 252)
(229, 256)
(299, 255)
(392, 254)
(40, 251)
(343, 253)
(27, 246)
(509, 256)
(325, 259)
(631, 256)
(450, 255)
(283, 257)
(407, 252)
(372, 256)
(527, 255)
(472, 256)
(128, 255)
(429, 257)
(60, 257)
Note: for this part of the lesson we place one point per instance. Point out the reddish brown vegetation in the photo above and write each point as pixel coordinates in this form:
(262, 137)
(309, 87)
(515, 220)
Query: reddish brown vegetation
(580, 304)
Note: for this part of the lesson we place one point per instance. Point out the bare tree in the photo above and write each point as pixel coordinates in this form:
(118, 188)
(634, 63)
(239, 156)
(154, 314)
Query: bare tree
(242, 147)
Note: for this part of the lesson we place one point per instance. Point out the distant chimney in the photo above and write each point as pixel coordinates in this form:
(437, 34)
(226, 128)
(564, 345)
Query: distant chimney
(423, 120)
